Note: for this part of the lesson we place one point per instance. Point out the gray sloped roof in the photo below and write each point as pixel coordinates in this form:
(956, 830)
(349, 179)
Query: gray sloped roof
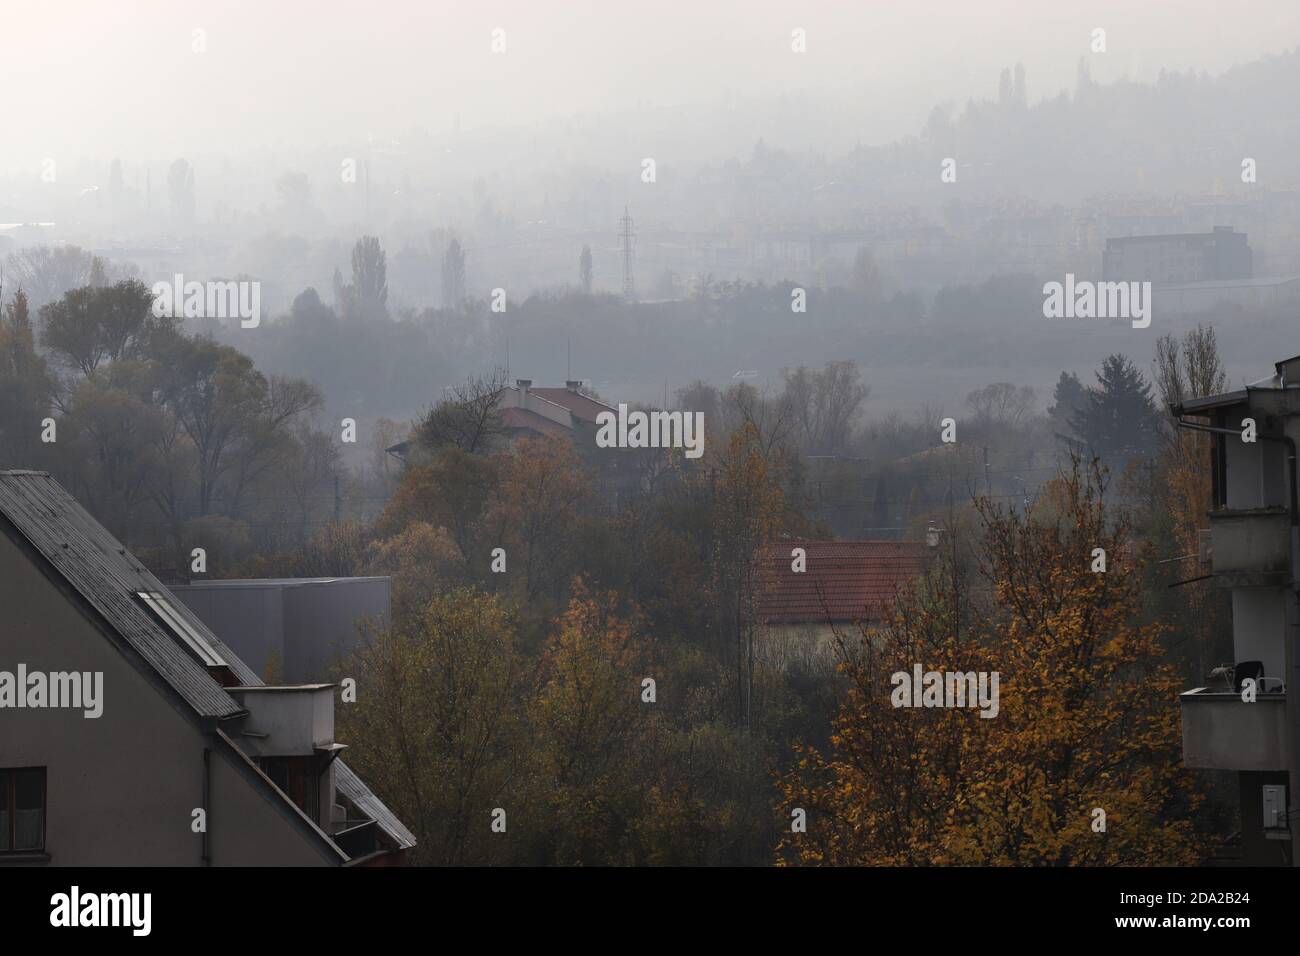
(108, 576)
(354, 788)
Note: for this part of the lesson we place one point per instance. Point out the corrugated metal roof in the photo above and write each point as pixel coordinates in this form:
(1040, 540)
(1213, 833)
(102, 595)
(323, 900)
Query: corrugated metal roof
(354, 788)
(108, 576)
(844, 580)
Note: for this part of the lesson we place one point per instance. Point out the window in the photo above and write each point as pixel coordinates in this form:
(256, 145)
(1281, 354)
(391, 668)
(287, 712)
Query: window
(299, 778)
(196, 642)
(22, 810)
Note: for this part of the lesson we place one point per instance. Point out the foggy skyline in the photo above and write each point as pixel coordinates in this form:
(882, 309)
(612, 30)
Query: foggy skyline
(91, 82)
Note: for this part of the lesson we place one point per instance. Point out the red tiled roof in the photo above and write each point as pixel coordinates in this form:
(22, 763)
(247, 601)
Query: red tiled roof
(844, 580)
(522, 418)
(580, 406)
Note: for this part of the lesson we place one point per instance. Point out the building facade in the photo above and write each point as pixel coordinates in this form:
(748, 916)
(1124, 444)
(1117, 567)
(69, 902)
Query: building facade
(1219, 254)
(130, 734)
(1245, 719)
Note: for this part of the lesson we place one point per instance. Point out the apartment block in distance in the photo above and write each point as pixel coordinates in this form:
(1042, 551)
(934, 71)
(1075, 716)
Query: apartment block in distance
(1177, 259)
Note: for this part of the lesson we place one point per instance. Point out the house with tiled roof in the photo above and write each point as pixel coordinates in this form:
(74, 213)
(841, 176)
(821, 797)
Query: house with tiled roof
(530, 412)
(130, 734)
(809, 589)
(582, 408)
(526, 409)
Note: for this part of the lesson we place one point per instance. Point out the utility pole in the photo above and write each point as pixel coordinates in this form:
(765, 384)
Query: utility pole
(988, 481)
(626, 237)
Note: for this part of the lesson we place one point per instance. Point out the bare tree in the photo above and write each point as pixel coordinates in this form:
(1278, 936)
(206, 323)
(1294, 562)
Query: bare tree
(824, 405)
(1190, 368)
(469, 419)
(772, 419)
(45, 273)
(1002, 404)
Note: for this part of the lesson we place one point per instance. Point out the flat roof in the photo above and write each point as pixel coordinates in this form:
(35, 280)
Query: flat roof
(270, 582)
(1208, 402)
(1261, 283)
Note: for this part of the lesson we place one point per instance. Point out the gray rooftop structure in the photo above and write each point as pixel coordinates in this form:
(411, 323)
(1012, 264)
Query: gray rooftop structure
(107, 576)
(105, 579)
(290, 629)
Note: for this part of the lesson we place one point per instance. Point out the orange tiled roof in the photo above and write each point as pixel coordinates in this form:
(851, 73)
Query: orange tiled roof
(844, 580)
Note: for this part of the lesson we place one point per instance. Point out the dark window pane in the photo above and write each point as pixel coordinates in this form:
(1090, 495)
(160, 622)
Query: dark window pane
(4, 810)
(28, 792)
(29, 809)
(28, 825)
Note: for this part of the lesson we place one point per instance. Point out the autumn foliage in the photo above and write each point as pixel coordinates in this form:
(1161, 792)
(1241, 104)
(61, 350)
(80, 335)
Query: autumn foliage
(1087, 729)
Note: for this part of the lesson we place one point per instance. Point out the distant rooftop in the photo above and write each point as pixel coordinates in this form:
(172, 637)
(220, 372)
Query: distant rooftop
(1216, 233)
(1260, 283)
(579, 405)
(844, 581)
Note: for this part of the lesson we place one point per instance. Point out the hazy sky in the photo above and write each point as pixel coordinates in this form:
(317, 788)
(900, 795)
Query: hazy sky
(94, 79)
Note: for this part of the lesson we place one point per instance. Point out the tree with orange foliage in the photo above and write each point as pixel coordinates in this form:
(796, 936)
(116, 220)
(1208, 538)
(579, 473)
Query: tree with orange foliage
(542, 492)
(1080, 765)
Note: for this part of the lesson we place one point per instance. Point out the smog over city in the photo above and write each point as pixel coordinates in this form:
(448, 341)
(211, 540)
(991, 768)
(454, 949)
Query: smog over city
(532, 433)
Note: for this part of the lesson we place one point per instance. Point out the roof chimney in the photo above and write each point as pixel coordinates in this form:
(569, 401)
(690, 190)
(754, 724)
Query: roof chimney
(932, 536)
(524, 384)
(574, 385)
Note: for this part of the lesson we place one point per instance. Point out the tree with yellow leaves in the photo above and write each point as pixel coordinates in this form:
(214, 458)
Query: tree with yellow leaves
(591, 728)
(747, 510)
(436, 725)
(1080, 765)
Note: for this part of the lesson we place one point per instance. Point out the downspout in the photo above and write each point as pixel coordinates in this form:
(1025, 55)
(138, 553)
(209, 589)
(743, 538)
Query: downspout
(1292, 611)
(206, 856)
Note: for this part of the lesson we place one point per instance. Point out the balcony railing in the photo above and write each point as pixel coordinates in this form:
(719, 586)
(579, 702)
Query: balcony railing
(1223, 732)
(358, 839)
(1251, 547)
